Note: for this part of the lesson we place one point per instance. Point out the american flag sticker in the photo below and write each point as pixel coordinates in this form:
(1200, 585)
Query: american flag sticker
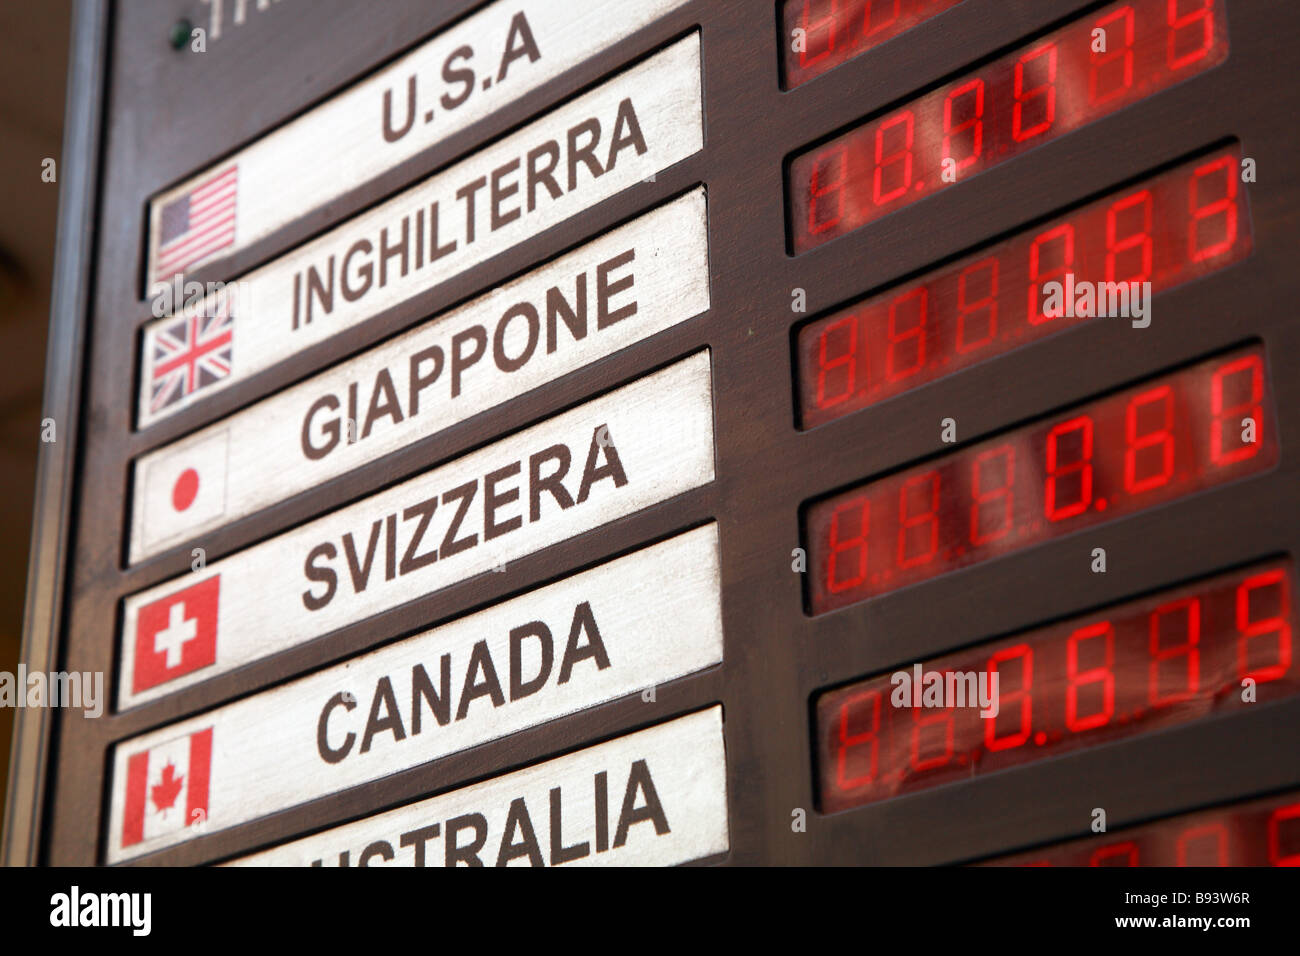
(190, 353)
(196, 224)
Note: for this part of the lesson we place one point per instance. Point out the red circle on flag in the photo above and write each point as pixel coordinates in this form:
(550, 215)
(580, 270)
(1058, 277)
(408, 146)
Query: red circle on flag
(186, 489)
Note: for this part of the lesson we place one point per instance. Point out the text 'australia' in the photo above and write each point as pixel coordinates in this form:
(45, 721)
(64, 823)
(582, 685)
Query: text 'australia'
(469, 837)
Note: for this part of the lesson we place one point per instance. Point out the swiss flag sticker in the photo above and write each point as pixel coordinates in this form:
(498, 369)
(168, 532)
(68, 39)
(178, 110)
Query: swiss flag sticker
(176, 634)
(167, 787)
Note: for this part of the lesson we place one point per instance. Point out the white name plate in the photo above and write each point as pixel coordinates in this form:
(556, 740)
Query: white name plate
(657, 797)
(465, 73)
(617, 629)
(624, 451)
(619, 289)
(633, 126)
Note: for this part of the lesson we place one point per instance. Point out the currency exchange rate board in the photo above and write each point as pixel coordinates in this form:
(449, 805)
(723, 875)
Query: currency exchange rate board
(672, 431)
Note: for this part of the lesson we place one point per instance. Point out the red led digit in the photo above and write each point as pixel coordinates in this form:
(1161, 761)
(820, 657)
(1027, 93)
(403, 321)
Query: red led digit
(1148, 232)
(921, 720)
(1191, 33)
(918, 525)
(823, 184)
(814, 30)
(1035, 97)
(1274, 627)
(1110, 71)
(1205, 845)
(1154, 662)
(906, 353)
(838, 349)
(1128, 238)
(1048, 87)
(855, 544)
(1051, 256)
(868, 738)
(993, 508)
(1230, 411)
(1021, 695)
(1154, 442)
(1118, 854)
(835, 31)
(977, 314)
(1256, 832)
(1069, 477)
(968, 101)
(1098, 679)
(1284, 820)
(873, 24)
(891, 181)
(1149, 439)
(1180, 620)
(1212, 217)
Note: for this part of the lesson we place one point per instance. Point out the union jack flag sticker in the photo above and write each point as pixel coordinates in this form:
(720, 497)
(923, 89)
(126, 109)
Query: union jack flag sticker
(190, 353)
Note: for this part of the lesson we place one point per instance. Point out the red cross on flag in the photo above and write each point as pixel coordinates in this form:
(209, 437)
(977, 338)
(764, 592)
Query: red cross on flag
(167, 787)
(176, 634)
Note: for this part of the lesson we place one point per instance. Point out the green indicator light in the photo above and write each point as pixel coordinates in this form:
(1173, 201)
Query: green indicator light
(181, 33)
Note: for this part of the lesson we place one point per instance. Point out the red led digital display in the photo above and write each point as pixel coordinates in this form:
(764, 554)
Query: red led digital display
(833, 31)
(1259, 833)
(1169, 229)
(1163, 439)
(1167, 659)
(1019, 101)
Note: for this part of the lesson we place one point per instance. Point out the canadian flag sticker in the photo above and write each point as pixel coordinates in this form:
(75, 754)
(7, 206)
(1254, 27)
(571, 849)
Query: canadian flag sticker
(184, 490)
(167, 787)
(176, 634)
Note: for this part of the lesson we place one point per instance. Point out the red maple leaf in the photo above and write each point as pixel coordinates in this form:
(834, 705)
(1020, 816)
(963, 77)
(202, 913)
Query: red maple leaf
(166, 792)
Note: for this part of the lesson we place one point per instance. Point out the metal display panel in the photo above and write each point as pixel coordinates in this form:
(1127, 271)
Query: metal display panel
(149, 117)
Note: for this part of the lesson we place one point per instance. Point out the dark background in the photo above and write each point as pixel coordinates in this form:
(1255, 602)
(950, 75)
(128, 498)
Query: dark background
(33, 69)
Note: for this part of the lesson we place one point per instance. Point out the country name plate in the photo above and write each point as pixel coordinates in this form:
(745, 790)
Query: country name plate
(657, 797)
(619, 289)
(631, 448)
(632, 623)
(624, 131)
(463, 74)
